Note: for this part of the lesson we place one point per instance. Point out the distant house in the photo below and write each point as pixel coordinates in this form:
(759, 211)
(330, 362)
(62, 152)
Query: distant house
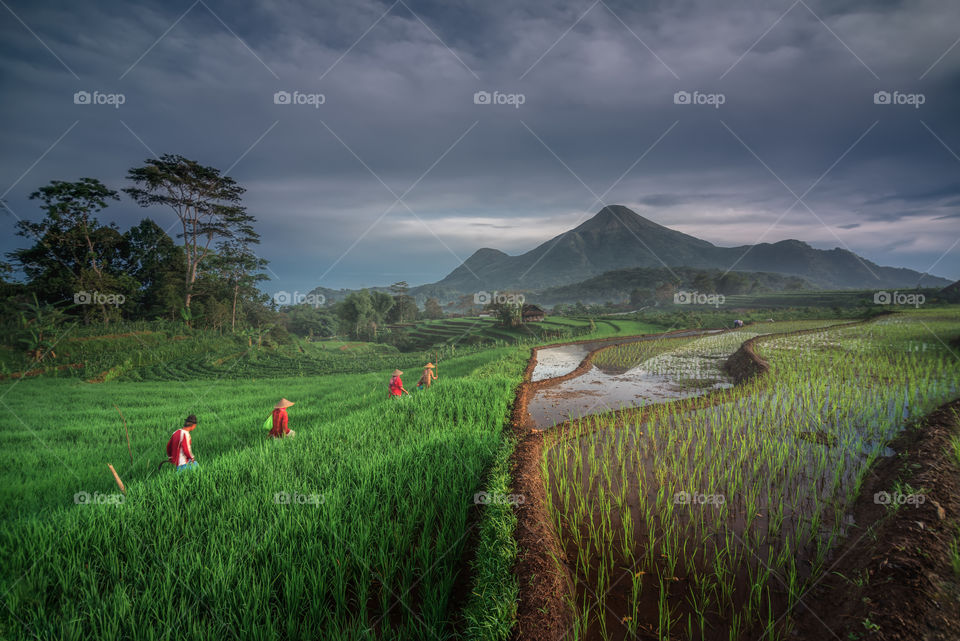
(532, 314)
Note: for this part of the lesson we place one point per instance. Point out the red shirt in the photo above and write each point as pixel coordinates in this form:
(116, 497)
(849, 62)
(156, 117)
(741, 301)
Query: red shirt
(280, 428)
(178, 448)
(396, 386)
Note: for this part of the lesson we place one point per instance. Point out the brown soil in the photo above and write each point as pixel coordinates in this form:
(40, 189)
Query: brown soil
(899, 585)
(39, 371)
(541, 613)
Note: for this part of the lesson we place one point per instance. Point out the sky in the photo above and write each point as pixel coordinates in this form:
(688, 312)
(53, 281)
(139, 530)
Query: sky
(386, 141)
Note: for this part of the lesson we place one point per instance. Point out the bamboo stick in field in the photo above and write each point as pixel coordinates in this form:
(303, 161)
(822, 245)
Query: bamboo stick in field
(116, 477)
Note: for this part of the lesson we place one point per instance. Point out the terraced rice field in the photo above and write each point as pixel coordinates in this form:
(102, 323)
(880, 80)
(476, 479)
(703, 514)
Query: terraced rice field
(708, 519)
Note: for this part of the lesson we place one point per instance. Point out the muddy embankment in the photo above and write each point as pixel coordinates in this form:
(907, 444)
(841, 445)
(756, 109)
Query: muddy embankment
(892, 579)
(543, 613)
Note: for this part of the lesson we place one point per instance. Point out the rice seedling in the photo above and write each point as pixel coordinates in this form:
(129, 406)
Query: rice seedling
(734, 507)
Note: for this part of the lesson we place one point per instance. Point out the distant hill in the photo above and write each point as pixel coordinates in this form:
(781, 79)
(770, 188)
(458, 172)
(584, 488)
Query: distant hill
(618, 238)
(618, 285)
(951, 292)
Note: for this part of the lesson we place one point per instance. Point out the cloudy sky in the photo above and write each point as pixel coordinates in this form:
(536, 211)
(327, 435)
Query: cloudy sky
(449, 126)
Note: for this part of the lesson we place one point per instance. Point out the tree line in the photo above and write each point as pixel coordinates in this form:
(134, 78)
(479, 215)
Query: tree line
(94, 272)
(77, 267)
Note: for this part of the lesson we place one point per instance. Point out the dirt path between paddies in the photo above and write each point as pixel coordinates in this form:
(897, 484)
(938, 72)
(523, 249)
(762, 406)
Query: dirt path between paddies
(543, 613)
(892, 579)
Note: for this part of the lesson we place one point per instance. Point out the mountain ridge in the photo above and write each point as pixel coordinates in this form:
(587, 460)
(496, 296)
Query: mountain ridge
(619, 238)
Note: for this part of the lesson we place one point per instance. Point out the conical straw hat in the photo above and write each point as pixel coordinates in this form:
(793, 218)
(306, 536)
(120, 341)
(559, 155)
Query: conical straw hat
(282, 404)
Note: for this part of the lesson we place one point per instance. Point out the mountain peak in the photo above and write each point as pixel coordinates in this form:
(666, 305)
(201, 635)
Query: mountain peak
(614, 217)
(793, 242)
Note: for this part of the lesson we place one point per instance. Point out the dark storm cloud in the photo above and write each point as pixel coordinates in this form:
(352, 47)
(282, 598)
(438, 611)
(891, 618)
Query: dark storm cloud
(598, 123)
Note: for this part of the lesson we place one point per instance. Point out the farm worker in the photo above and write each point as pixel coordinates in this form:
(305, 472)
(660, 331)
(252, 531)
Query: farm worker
(738, 323)
(427, 377)
(395, 387)
(280, 428)
(178, 447)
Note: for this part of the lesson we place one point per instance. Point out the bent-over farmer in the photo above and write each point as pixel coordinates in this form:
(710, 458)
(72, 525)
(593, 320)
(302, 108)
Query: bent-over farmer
(178, 447)
(395, 387)
(280, 428)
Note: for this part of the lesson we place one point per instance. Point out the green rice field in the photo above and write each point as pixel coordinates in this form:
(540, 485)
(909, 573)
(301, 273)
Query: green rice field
(685, 521)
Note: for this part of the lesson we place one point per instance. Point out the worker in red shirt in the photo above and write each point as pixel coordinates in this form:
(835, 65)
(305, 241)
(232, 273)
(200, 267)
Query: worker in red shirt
(179, 453)
(395, 387)
(280, 428)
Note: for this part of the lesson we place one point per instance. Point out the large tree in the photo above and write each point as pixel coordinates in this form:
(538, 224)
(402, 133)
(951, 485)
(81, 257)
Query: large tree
(206, 202)
(432, 309)
(74, 256)
(241, 268)
(152, 258)
(358, 317)
(307, 320)
(404, 306)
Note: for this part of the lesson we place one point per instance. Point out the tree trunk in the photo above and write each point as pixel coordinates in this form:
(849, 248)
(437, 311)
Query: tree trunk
(233, 319)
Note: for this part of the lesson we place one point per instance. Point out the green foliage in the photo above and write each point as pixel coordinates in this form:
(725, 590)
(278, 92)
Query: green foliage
(387, 486)
(40, 326)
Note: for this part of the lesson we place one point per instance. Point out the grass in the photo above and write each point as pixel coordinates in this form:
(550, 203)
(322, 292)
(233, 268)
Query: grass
(716, 519)
(368, 546)
(381, 509)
